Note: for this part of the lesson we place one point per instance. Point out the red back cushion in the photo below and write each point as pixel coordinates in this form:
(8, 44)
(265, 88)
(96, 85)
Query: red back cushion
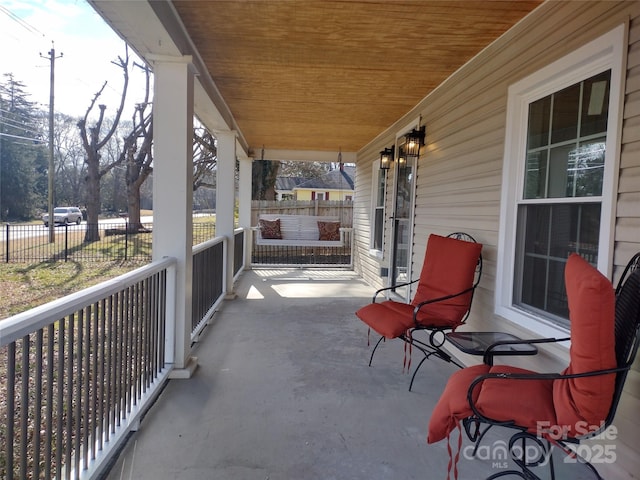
(449, 268)
(592, 313)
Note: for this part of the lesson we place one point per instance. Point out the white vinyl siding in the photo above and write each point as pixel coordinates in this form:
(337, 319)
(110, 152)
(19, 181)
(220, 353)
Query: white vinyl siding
(459, 175)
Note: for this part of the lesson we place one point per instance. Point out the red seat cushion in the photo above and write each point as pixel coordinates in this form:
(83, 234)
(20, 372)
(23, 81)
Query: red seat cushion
(384, 320)
(525, 402)
(453, 405)
(427, 316)
(592, 313)
(449, 268)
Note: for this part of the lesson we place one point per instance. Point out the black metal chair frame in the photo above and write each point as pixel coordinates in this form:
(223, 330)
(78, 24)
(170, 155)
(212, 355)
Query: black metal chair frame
(437, 334)
(627, 337)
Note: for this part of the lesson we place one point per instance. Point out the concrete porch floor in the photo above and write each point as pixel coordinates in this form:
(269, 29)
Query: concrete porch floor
(283, 391)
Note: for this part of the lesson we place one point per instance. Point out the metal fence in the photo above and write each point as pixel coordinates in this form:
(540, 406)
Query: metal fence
(303, 256)
(30, 243)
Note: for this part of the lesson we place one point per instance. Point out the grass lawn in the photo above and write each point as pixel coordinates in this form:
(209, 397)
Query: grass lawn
(27, 285)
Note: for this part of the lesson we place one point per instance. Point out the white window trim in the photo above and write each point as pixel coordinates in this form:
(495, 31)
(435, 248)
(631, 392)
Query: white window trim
(603, 53)
(375, 177)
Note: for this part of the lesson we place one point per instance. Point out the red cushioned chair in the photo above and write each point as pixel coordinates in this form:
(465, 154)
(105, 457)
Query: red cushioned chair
(450, 273)
(553, 409)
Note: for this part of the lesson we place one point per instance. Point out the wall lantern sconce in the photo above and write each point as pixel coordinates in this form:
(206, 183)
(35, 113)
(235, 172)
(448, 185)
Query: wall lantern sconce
(414, 140)
(386, 158)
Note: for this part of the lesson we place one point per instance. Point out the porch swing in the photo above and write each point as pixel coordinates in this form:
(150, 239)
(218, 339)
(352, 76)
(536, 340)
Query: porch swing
(288, 230)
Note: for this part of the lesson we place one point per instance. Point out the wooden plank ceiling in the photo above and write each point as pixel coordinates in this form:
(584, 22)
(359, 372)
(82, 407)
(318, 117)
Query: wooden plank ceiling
(329, 74)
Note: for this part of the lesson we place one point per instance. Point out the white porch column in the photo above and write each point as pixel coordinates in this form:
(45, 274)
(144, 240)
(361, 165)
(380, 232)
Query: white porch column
(244, 205)
(173, 192)
(225, 199)
(244, 192)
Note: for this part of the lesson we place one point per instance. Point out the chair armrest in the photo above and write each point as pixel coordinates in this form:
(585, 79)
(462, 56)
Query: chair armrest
(391, 288)
(487, 359)
(530, 376)
(416, 310)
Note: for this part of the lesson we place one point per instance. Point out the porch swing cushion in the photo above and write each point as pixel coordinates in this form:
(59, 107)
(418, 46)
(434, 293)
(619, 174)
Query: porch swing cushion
(270, 229)
(329, 231)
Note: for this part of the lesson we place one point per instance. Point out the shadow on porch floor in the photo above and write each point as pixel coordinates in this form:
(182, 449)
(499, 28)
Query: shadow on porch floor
(283, 392)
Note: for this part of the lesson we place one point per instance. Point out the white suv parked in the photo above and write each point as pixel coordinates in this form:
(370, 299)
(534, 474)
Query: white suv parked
(64, 215)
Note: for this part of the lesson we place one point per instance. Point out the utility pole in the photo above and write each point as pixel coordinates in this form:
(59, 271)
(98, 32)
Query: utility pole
(52, 58)
(1, 129)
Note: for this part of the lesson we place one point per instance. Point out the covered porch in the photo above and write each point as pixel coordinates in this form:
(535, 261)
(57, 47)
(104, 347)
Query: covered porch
(278, 384)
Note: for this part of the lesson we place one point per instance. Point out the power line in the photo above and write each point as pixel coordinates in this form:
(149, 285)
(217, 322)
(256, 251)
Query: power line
(23, 23)
(17, 126)
(35, 140)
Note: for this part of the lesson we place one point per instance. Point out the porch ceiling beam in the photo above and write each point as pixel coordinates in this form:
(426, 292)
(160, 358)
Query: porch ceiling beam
(304, 155)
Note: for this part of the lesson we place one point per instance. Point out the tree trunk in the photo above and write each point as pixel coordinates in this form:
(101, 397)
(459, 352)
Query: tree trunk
(133, 198)
(133, 207)
(92, 182)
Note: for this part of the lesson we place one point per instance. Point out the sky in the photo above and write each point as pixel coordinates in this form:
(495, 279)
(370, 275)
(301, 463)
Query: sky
(87, 44)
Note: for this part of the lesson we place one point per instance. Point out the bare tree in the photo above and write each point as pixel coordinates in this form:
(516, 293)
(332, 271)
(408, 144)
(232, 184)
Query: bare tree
(205, 158)
(92, 143)
(69, 161)
(138, 158)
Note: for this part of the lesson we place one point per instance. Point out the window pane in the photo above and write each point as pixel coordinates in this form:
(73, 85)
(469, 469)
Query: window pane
(381, 184)
(377, 206)
(564, 124)
(558, 175)
(589, 232)
(595, 104)
(556, 293)
(564, 221)
(539, 123)
(586, 165)
(536, 175)
(533, 286)
(537, 222)
(378, 228)
(550, 234)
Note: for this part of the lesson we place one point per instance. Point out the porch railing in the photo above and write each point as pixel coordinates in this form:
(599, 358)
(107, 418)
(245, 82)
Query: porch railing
(208, 275)
(77, 373)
